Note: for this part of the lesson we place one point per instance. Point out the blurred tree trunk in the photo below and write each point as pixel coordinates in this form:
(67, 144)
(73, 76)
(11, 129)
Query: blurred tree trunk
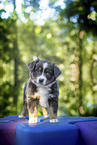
(16, 60)
(80, 81)
(92, 74)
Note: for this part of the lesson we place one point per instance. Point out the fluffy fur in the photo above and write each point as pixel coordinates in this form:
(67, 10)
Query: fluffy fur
(41, 88)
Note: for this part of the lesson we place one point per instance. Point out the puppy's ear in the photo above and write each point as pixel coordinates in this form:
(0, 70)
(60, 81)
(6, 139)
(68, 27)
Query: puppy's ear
(32, 64)
(57, 71)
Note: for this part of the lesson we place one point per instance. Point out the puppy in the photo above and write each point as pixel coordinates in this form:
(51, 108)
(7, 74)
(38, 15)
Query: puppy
(41, 88)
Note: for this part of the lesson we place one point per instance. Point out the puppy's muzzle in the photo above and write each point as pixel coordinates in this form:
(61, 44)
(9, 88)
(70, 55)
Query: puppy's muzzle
(41, 81)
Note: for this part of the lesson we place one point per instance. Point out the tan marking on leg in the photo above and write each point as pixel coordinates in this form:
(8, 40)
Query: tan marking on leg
(34, 97)
(34, 114)
(45, 113)
(33, 117)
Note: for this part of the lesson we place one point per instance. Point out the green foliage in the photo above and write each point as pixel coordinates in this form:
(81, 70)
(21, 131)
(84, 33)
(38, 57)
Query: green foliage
(34, 4)
(6, 67)
(85, 13)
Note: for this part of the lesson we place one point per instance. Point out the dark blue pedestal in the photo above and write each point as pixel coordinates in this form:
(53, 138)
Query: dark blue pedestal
(47, 134)
(8, 129)
(69, 131)
(88, 132)
(44, 133)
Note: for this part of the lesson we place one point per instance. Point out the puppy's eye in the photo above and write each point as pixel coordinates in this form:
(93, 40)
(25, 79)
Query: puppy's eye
(39, 69)
(48, 73)
(47, 70)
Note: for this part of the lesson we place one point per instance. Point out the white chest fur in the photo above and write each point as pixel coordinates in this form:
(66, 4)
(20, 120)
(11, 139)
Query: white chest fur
(43, 94)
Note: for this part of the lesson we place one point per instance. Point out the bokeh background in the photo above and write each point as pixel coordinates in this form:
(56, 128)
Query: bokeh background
(62, 31)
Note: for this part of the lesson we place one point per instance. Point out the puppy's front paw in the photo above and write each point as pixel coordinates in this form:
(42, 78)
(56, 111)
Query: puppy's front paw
(53, 120)
(33, 120)
(46, 116)
(21, 116)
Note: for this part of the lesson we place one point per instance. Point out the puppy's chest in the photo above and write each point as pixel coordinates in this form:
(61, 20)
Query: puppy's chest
(43, 94)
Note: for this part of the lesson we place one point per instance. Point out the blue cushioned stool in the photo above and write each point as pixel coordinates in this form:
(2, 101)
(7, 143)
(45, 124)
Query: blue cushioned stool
(16, 131)
(44, 133)
(88, 132)
(8, 129)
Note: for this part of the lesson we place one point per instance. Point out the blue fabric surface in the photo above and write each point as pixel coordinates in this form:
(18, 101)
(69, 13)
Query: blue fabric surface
(65, 119)
(88, 132)
(45, 133)
(8, 130)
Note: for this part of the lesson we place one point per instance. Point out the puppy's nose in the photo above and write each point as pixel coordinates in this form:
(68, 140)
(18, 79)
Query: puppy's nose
(41, 80)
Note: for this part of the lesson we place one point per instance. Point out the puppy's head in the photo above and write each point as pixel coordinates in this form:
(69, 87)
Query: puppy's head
(43, 72)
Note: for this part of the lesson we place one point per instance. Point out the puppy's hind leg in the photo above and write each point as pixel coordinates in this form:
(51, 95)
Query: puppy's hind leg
(53, 107)
(45, 112)
(24, 111)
